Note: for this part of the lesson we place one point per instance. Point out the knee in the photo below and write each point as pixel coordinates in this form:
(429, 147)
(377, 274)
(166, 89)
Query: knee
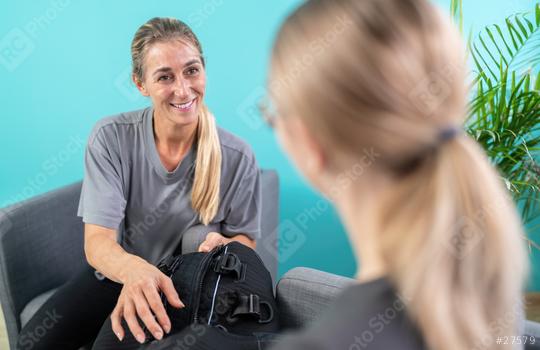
(37, 336)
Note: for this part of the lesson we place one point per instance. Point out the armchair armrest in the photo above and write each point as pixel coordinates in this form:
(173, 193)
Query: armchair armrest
(41, 246)
(303, 294)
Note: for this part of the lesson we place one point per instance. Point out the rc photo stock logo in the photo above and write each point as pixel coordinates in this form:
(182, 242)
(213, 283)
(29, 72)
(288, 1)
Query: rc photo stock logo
(466, 234)
(198, 18)
(20, 42)
(286, 241)
(430, 93)
(248, 110)
(15, 48)
(125, 85)
(30, 337)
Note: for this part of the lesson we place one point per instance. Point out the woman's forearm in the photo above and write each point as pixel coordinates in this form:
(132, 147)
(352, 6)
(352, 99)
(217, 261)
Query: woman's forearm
(105, 255)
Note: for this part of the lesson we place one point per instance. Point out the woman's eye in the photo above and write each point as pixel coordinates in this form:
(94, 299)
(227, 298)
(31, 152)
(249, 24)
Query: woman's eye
(192, 71)
(164, 78)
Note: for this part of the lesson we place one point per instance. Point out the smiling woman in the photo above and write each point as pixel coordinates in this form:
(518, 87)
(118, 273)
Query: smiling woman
(150, 175)
(160, 48)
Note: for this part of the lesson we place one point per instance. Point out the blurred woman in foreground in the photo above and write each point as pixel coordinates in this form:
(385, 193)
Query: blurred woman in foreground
(437, 238)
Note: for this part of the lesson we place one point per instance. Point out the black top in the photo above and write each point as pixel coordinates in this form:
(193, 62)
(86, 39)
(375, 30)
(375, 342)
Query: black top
(365, 316)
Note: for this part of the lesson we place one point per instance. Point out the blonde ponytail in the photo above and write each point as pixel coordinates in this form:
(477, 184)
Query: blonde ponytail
(451, 240)
(205, 191)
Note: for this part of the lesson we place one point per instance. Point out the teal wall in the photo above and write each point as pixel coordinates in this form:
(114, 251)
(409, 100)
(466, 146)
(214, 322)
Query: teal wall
(64, 64)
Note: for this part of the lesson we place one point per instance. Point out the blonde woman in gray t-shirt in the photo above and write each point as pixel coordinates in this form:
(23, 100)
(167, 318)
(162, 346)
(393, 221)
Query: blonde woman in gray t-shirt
(150, 175)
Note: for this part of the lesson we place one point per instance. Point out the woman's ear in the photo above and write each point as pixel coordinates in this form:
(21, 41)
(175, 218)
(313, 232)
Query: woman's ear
(315, 155)
(305, 151)
(140, 85)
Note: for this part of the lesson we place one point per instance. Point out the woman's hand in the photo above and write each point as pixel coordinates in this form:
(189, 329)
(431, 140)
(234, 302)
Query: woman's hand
(213, 239)
(140, 297)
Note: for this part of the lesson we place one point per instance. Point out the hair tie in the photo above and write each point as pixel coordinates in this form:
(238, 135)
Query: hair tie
(410, 164)
(448, 134)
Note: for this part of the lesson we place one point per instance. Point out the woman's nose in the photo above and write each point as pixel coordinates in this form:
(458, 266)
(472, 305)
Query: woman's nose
(181, 88)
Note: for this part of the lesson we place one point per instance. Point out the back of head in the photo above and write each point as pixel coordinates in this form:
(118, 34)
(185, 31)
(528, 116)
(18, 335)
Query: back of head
(390, 75)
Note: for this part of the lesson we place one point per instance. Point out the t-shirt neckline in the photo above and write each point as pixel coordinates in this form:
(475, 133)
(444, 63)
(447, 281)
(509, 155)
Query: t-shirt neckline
(152, 153)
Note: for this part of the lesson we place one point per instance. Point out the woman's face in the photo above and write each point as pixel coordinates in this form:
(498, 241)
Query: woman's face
(305, 153)
(175, 80)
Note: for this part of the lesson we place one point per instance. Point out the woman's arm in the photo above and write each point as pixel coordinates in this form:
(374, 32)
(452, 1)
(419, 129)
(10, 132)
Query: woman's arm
(104, 254)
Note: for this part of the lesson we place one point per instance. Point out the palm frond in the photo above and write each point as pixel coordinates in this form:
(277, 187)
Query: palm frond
(515, 45)
(456, 9)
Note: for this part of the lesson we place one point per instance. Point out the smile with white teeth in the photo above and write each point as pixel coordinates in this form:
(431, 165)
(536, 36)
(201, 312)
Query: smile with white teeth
(183, 106)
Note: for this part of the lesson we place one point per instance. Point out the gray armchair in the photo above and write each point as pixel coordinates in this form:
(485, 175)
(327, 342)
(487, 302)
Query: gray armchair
(41, 247)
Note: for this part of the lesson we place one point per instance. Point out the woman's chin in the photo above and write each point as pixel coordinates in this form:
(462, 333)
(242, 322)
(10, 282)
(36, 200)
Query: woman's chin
(182, 117)
(184, 120)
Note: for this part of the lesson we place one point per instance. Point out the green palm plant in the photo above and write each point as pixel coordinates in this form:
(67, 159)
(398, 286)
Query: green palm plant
(504, 107)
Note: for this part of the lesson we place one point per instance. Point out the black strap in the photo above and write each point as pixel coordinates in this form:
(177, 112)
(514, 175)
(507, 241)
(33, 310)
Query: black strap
(169, 264)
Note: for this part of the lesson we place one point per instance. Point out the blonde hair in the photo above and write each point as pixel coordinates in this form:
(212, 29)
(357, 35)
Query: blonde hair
(389, 74)
(206, 184)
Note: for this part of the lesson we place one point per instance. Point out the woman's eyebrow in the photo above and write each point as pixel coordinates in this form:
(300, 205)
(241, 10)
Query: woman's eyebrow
(162, 69)
(169, 69)
(193, 61)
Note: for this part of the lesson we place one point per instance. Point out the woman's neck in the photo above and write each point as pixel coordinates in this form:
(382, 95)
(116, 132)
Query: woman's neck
(358, 211)
(173, 139)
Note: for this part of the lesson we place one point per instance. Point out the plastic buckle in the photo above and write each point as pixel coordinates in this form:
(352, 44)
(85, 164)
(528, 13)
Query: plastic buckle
(253, 302)
(251, 305)
(269, 310)
(229, 263)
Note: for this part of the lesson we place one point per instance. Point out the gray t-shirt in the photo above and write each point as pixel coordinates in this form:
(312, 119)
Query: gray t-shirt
(127, 188)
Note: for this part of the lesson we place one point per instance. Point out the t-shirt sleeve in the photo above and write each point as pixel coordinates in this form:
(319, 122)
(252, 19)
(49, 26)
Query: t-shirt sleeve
(244, 214)
(102, 200)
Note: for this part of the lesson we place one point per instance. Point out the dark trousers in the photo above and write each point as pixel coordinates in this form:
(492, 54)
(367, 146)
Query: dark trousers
(74, 316)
